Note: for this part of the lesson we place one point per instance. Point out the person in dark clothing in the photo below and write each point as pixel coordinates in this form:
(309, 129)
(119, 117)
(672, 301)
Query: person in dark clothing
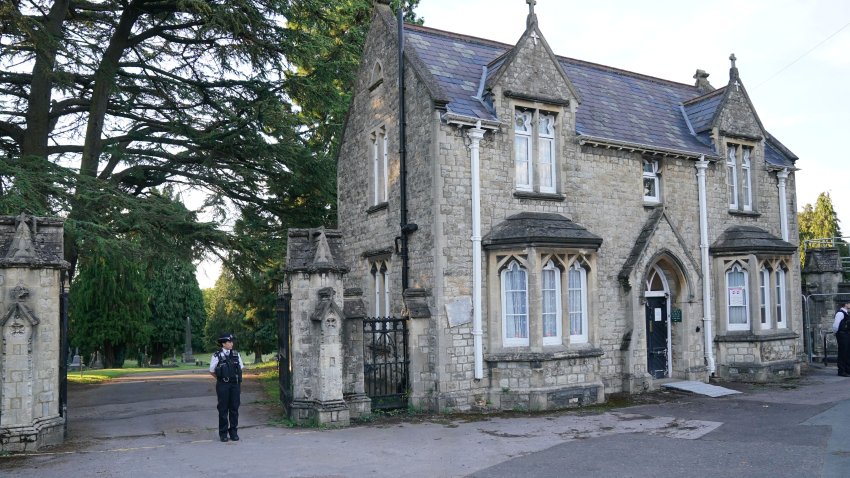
(841, 327)
(226, 366)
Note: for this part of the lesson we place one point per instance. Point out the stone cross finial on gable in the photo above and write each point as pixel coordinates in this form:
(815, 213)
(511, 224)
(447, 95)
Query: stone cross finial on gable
(532, 18)
(733, 58)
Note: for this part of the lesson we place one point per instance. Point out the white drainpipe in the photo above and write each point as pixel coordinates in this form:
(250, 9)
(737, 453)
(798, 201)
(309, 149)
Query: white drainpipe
(701, 166)
(476, 134)
(782, 176)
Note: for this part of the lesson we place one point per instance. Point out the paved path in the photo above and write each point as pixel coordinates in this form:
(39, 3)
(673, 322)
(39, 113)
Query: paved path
(164, 425)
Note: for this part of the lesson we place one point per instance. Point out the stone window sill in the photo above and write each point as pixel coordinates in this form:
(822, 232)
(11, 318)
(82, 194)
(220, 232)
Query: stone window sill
(738, 212)
(520, 356)
(378, 207)
(761, 336)
(538, 196)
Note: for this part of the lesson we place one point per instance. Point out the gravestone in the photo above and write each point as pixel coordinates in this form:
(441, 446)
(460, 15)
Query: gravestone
(31, 281)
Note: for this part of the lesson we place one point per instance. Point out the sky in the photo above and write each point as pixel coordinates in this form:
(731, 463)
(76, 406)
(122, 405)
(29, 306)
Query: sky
(793, 57)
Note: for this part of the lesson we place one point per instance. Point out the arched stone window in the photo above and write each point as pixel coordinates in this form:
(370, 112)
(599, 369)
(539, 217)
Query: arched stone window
(514, 279)
(737, 294)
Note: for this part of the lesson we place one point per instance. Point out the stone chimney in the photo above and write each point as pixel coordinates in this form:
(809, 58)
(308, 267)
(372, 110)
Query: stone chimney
(702, 84)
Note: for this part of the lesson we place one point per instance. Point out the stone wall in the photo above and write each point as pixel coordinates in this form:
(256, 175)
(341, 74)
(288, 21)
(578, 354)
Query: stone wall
(598, 188)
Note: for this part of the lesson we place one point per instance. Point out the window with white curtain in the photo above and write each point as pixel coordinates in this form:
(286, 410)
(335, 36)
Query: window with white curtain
(546, 151)
(551, 303)
(535, 152)
(523, 128)
(746, 179)
(732, 175)
(781, 308)
(764, 297)
(539, 298)
(737, 298)
(577, 303)
(739, 176)
(514, 305)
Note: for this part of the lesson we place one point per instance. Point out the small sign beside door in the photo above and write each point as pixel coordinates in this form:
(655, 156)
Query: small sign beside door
(658, 314)
(676, 315)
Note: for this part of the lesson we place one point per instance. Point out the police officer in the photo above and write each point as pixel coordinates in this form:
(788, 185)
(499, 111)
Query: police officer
(841, 327)
(226, 366)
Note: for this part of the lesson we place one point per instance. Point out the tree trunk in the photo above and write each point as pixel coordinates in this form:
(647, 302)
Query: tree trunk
(104, 80)
(157, 354)
(38, 110)
(258, 354)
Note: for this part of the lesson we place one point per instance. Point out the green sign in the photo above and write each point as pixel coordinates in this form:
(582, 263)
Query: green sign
(676, 315)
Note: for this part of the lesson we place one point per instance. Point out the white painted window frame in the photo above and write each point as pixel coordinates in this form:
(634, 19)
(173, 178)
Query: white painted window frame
(765, 304)
(582, 312)
(546, 142)
(514, 341)
(556, 314)
(737, 268)
(747, 177)
(781, 299)
(652, 175)
(523, 141)
(732, 174)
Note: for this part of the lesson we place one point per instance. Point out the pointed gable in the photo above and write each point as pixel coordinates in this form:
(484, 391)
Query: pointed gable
(531, 69)
(735, 114)
(314, 250)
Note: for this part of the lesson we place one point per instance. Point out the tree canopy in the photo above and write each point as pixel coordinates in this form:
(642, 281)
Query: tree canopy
(111, 111)
(820, 222)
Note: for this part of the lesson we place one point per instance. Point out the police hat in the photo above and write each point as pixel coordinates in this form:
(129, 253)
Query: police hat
(225, 338)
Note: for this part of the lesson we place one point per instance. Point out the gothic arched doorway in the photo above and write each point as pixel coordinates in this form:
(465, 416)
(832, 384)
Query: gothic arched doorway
(662, 292)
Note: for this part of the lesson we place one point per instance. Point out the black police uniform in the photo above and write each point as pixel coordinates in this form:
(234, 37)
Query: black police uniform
(228, 375)
(842, 336)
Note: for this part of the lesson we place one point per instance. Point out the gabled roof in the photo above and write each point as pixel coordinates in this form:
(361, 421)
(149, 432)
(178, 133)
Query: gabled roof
(617, 106)
(314, 250)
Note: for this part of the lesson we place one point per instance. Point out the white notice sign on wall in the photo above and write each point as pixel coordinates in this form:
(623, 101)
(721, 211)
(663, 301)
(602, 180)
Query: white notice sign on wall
(736, 297)
(658, 314)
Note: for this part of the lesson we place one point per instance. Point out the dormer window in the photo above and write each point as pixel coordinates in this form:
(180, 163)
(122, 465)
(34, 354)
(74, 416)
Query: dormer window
(535, 150)
(739, 176)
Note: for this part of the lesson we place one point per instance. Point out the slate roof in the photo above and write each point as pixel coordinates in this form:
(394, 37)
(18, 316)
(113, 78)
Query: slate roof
(311, 250)
(540, 228)
(822, 260)
(750, 239)
(773, 154)
(617, 105)
(701, 111)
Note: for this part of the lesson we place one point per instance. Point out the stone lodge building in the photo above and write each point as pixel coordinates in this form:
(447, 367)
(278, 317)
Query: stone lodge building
(572, 229)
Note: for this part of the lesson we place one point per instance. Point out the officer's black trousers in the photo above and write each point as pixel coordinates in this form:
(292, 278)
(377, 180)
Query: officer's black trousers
(843, 339)
(228, 407)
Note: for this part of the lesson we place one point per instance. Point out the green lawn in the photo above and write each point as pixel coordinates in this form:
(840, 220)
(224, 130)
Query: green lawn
(103, 375)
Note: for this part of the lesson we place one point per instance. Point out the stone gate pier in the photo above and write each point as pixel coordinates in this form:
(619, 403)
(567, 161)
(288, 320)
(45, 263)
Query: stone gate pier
(32, 271)
(326, 332)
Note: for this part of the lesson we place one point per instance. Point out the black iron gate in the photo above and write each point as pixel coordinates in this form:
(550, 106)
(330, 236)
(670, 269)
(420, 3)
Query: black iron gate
(284, 349)
(386, 361)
